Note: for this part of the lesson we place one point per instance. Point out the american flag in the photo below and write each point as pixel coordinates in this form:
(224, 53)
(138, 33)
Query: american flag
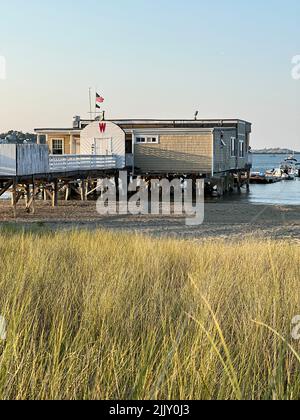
(99, 99)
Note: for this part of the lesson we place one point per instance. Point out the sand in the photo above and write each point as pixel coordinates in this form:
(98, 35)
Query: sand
(224, 220)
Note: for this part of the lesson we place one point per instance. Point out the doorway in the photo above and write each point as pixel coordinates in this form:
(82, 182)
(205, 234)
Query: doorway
(104, 147)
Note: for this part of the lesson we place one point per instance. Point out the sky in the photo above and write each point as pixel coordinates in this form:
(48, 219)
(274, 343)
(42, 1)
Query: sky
(152, 59)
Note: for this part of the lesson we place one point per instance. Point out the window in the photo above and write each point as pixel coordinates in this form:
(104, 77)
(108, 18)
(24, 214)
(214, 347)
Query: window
(148, 140)
(241, 149)
(140, 140)
(42, 139)
(57, 146)
(233, 148)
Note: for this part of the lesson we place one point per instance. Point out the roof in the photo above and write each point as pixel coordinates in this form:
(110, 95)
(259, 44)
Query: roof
(179, 121)
(57, 130)
(204, 123)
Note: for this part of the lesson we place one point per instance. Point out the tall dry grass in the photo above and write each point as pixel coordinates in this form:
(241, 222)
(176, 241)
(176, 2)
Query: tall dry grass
(114, 316)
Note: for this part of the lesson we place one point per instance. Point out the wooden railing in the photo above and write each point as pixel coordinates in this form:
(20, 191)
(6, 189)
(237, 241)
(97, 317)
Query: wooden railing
(71, 163)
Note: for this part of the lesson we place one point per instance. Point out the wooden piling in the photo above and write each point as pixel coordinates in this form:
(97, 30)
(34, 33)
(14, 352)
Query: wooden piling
(67, 192)
(239, 182)
(14, 198)
(55, 194)
(27, 195)
(83, 190)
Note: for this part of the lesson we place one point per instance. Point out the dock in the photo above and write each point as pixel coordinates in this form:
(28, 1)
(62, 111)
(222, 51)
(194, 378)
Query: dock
(263, 178)
(29, 171)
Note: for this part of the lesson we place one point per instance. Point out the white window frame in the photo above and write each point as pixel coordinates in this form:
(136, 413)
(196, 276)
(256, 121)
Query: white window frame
(147, 137)
(63, 144)
(242, 149)
(233, 151)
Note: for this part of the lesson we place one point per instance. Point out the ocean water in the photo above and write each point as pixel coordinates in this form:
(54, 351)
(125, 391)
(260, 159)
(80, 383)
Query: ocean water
(262, 163)
(284, 192)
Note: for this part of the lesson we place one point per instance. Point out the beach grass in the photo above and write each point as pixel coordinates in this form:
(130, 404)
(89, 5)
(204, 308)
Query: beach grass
(99, 315)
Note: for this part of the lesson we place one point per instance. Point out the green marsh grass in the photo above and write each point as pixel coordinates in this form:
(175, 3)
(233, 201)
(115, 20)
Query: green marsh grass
(99, 315)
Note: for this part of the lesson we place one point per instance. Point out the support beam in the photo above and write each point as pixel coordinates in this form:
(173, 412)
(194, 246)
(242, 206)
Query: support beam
(83, 190)
(31, 192)
(248, 180)
(6, 188)
(93, 190)
(55, 194)
(14, 200)
(67, 193)
(239, 182)
(27, 195)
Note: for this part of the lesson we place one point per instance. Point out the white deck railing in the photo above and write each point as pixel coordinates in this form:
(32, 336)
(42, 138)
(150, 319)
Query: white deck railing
(71, 163)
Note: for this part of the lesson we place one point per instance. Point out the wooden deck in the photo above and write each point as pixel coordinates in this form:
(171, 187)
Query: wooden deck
(28, 171)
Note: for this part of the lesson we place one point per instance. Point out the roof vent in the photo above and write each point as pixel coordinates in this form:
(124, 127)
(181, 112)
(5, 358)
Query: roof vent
(76, 121)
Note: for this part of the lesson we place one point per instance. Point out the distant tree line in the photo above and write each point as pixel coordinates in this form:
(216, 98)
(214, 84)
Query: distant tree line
(274, 151)
(18, 137)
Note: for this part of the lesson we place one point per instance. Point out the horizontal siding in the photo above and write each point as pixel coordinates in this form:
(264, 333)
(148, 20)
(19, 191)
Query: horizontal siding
(176, 153)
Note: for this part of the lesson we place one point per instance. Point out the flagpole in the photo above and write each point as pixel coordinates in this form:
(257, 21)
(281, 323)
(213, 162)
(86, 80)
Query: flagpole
(96, 102)
(90, 95)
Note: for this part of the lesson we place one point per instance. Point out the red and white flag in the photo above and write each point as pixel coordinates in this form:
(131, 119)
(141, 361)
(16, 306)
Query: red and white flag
(99, 99)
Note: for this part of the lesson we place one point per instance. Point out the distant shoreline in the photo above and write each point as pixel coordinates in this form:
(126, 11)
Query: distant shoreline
(274, 152)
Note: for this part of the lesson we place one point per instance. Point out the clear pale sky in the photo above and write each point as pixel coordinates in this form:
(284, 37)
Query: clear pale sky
(152, 59)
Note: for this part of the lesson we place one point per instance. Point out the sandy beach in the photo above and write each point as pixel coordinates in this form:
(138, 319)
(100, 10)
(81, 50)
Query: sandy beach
(224, 220)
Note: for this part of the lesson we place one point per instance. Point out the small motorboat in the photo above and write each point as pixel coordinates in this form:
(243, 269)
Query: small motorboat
(268, 177)
(289, 168)
(274, 174)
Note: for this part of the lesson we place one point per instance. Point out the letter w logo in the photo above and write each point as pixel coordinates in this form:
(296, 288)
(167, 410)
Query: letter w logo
(102, 127)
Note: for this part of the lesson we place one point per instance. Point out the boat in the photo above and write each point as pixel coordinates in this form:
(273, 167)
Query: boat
(274, 175)
(289, 168)
(268, 177)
